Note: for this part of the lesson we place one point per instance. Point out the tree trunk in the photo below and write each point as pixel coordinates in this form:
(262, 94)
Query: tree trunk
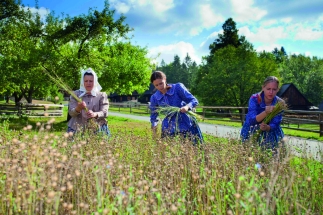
(7, 97)
(17, 97)
(29, 95)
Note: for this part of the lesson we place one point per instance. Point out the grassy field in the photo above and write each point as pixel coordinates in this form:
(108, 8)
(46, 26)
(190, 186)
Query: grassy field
(45, 171)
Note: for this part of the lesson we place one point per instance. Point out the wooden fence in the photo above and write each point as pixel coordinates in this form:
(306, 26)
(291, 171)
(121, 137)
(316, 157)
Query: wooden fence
(311, 121)
(32, 110)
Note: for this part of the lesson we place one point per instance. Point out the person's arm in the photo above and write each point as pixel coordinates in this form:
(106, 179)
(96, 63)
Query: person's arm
(153, 114)
(187, 97)
(75, 107)
(104, 106)
(256, 118)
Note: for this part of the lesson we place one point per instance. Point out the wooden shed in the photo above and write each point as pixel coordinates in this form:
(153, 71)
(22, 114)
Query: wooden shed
(145, 97)
(114, 97)
(294, 98)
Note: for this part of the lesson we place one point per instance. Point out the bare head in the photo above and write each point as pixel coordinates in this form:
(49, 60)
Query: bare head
(271, 79)
(270, 88)
(158, 79)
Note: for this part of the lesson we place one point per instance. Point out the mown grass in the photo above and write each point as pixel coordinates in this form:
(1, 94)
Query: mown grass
(45, 171)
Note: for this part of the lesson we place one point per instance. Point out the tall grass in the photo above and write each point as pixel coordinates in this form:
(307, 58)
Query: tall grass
(42, 172)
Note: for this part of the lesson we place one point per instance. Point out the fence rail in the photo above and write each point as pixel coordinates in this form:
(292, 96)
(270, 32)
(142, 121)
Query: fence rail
(292, 119)
(32, 110)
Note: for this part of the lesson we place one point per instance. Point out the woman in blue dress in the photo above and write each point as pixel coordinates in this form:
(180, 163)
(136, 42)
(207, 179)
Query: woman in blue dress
(175, 95)
(260, 105)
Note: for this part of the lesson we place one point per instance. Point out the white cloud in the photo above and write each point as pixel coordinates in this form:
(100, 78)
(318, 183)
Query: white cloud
(267, 47)
(264, 35)
(155, 5)
(167, 52)
(308, 54)
(244, 10)
(43, 12)
(161, 6)
(210, 39)
(304, 33)
(208, 17)
(122, 7)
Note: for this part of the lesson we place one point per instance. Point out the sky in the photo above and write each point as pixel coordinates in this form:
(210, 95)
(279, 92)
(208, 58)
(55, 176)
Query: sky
(177, 27)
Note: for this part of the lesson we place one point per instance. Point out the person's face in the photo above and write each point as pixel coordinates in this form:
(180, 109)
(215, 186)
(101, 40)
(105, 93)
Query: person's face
(270, 90)
(160, 85)
(88, 82)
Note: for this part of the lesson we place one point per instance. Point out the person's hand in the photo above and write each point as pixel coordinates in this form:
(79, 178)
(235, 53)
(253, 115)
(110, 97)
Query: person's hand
(264, 127)
(269, 109)
(80, 106)
(184, 109)
(90, 114)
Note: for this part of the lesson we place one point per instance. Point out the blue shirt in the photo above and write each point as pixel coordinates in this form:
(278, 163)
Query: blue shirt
(178, 96)
(250, 126)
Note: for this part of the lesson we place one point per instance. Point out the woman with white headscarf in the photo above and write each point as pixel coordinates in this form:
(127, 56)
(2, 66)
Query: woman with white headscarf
(94, 104)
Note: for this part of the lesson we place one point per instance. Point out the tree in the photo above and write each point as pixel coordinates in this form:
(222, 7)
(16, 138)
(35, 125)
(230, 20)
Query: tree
(10, 8)
(306, 74)
(280, 55)
(65, 46)
(229, 37)
(97, 40)
(20, 47)
(232, 76)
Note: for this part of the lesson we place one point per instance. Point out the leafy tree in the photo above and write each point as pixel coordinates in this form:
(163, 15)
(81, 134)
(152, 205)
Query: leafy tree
(232, 76)
(9, 9)
(229, 37)
(306, 74)
(97, 40)
(19, 48)
(178, 71)
(280, 55)
(65, 46)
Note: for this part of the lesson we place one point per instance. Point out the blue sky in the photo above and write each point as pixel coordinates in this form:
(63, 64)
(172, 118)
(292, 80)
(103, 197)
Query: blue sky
(177, 27)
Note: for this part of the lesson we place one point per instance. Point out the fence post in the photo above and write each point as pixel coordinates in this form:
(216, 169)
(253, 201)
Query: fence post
(119, 106)
(243, 115)
(130, 108)
(321, 125)
(203, 109)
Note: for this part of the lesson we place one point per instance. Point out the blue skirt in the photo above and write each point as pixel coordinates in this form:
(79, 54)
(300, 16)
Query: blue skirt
(104, 129)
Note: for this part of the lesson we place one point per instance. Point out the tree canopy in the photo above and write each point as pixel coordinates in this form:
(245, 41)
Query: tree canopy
(31, 44)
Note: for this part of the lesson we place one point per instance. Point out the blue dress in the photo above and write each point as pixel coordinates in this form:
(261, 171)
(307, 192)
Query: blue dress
(267, 139)
(176, 96)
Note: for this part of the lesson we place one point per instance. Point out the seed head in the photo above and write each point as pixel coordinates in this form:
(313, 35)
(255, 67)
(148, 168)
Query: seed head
(51, 194)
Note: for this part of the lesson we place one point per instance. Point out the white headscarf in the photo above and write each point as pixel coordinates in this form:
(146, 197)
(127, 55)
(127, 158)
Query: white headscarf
(96, 86)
